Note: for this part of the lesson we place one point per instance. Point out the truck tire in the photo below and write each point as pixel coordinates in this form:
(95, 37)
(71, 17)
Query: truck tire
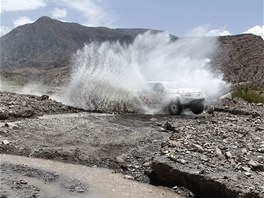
(175, 108)
(198, 108)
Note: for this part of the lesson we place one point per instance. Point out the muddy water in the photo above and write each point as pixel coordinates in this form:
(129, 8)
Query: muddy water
(101, 182)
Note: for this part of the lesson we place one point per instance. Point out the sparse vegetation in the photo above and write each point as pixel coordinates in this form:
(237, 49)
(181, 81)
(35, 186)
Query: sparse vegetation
(249, 95)
(13, 78)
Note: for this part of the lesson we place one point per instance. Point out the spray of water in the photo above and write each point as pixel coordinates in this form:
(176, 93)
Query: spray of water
(107, 75)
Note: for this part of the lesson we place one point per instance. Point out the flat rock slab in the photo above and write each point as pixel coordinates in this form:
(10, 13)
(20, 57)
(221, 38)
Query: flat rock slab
(226, 184)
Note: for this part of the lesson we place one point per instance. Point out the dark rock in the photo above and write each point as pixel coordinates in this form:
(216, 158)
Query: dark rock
(26, 113)
(255, 114)
(3, 115)
(168, 126)
(44, 97)
(23, 181)
(210, 110)
(255, 166)
(228, 155)
(200, 184)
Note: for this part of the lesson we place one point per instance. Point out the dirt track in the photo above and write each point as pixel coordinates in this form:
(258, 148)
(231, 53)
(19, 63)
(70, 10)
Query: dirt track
(220, 154)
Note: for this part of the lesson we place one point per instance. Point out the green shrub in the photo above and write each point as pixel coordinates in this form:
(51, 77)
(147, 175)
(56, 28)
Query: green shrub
(13, 78)
(248, 95)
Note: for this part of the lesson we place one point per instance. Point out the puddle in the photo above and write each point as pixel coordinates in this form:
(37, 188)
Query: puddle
(101, 182)
(76, 115)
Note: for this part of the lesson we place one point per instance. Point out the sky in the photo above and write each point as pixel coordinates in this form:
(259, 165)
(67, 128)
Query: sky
(178, 17)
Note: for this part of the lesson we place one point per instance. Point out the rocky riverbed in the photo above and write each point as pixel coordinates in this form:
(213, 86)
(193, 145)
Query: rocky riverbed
(220, 153)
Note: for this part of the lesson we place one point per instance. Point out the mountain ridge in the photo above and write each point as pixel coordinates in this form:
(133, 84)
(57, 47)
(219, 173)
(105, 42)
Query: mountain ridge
(47, 40)
(42, 50)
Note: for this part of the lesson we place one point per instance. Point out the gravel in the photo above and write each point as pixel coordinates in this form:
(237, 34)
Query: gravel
(218, 154)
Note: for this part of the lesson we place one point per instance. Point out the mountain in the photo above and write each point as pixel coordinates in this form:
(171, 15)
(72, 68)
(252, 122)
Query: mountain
(42, 50)
(49, 42)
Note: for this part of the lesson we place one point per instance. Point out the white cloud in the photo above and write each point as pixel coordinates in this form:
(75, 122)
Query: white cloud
(217, 32)
(58, 13)
(257, 30)
(19, 5)
(205, 31)
(91, 9)
(4, 30)
(21, 21)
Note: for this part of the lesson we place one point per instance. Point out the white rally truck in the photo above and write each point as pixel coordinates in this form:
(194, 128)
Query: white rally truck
(169, 97)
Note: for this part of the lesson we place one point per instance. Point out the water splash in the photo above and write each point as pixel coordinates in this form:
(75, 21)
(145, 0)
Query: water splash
(107, 75)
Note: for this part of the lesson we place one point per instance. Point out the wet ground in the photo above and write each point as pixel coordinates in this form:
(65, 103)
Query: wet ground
(219, 154)
(30, 177)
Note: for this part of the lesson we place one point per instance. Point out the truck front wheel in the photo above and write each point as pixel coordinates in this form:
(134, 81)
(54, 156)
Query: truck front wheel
(175, 108)
(198, 108)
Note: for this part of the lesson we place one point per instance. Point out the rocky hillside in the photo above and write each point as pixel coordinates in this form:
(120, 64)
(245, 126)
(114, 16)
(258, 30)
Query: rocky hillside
(48, 42)
(242, 58)
(42, 50)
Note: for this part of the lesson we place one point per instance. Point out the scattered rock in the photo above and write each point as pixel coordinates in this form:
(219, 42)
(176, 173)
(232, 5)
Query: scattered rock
(163, 129)
(44, 97)
(259, 128)
(168, 126)
(79, 189)
(146, 164)
(226, 96)
(174, 143)
(228, 155)
(255, 166)
(5, 142)
(247, 174)
(244, 151)
(210, 110)
(120, 160)
(129, 177)
(29, 106)
(203, 146)
(198, 148)
(182, 161)
(23, 181)
(3, 115)
(218, 152)
(255, 114)
(245, 168)
(204, 158)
